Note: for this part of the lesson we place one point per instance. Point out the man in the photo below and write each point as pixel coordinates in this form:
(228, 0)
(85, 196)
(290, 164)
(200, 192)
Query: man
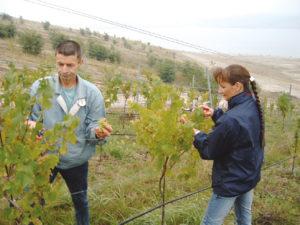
(77, 97)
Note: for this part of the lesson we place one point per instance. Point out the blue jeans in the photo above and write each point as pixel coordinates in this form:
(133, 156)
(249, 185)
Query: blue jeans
(76, 180)
(219, 207)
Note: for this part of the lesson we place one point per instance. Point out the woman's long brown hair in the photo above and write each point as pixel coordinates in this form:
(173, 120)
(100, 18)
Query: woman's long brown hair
(237, 73)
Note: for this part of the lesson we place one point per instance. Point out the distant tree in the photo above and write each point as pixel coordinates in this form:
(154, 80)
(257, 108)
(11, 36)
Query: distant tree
(190, 70)
(101, 53)
(46, 25)
(114, 57)
(167, 71)
(126, 44)
(56, 38)
(5, 16)
(31, 42)
(106, 37)
(143, 46)
(115, 41)
(98, 51)
(88, 31)
(152, 60)
(21, 20)
(82, 31)
(95, 33)
(7, 30)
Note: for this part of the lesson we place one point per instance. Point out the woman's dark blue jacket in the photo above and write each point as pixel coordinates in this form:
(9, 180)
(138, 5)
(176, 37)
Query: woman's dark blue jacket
(234, 145)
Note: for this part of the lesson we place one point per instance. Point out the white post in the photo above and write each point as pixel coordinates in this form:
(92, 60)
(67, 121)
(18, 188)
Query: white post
(209, 87)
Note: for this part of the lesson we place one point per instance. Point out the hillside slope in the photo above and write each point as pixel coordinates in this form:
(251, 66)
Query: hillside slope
(274, 74)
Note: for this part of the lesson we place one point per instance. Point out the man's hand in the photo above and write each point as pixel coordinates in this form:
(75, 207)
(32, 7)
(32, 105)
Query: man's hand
(208, 112)
(104, 130)
(31, 124)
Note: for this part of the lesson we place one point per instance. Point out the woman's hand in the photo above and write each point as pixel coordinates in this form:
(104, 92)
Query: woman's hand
(196, 131)
(208, 112)
(30, 123)
(183, 119)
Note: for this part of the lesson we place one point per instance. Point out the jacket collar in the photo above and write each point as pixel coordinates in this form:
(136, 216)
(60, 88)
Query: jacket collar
(80, 93)
(80, 99)
(238, 99)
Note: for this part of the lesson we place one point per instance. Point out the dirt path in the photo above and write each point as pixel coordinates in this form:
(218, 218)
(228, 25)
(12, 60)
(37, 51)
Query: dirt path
(272, 73)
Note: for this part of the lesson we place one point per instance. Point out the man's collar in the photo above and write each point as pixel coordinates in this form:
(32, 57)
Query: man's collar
(80, 89)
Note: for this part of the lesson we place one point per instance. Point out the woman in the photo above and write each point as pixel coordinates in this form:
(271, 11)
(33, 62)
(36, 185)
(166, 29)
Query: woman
(235, 145)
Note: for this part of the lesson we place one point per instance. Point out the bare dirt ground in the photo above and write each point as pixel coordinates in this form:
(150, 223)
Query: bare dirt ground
(273, 74)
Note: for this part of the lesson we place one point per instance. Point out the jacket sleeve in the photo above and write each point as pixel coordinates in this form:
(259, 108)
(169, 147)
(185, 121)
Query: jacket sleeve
(217, 114)
(218, 142)
(95, 113)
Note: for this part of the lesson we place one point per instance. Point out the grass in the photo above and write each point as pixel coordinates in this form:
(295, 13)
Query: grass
(277, 199)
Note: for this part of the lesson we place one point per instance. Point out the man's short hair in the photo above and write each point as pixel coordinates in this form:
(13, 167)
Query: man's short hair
(69, 47)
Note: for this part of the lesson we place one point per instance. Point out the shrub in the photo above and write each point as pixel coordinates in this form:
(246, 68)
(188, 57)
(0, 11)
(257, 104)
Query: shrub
(114, 57)
(101, 53)
(98, 51)
(106, 37)
(82, 31)
(21, 20)
(285, 105)
(31, 42)
(88, 31)
(46, 25)
(5, 16)
(126, 44)
(167, 71)
(7, 30)
(25, 162)
(152, 60)
(56, 38)
(190, 70)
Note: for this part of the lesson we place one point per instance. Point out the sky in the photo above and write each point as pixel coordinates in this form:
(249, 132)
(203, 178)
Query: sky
(169, 17)
(152, 12)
